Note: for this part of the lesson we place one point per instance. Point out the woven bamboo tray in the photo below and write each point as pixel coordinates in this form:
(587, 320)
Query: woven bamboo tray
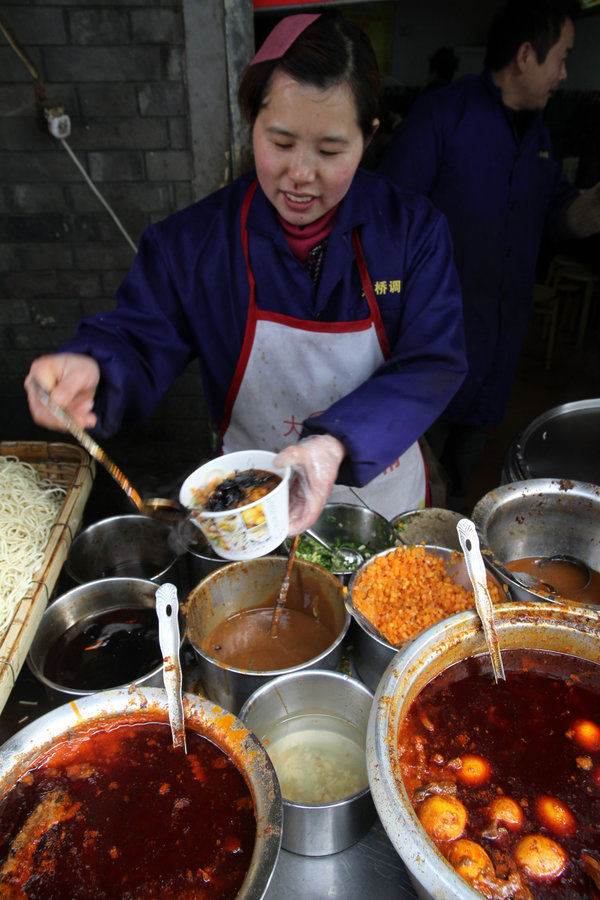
(70, 467)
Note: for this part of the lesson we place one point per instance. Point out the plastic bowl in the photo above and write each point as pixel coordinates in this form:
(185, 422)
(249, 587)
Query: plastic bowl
(245, 532)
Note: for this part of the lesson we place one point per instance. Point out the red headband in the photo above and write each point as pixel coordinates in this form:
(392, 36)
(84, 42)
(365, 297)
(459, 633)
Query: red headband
(283, 36)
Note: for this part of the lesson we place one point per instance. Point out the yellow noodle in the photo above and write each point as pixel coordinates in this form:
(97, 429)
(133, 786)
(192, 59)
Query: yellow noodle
(29, 506)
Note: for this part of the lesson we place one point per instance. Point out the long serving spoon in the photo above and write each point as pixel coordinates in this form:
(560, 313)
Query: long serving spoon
(346, 557)
(283, 590)
(167, 608)
(469, 542)
(90, 445)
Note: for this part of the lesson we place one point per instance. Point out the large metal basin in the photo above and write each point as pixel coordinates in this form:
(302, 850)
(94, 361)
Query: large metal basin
(538, 517)
(573, 630)
(219, 726)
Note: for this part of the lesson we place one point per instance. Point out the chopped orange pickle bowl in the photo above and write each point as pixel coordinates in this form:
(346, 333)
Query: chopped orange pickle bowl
(404, 591)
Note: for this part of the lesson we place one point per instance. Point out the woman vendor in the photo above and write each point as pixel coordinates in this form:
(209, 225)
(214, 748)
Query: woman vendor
(321, 300)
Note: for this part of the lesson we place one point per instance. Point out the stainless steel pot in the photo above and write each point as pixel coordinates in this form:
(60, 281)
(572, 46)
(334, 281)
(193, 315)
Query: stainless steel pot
(245, 585)
(563, 442)
(78, 604)
(430, 525)
(124, 546)
(197, 559)
(228, 733)
(323, 828)
(538, 517)
(520, 625)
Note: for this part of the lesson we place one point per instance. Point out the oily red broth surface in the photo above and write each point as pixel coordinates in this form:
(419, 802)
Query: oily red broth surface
(530, 745)
(119, 813)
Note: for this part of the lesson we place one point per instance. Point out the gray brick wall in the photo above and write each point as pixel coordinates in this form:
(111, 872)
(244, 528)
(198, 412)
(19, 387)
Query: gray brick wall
(118, 68)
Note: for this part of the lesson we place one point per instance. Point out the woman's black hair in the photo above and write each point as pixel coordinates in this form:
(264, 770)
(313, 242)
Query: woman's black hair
(330, 51)
(538, 22)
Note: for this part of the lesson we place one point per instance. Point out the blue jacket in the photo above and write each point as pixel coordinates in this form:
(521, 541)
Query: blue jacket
(460, 147)
(186, 297)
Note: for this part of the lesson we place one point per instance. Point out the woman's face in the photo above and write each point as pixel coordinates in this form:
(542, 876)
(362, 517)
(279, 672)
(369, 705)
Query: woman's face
(307, 147)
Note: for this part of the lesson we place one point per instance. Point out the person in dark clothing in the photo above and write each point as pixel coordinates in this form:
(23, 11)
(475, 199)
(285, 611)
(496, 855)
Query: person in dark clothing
(442, 66)
(320, 300)
(480, 150)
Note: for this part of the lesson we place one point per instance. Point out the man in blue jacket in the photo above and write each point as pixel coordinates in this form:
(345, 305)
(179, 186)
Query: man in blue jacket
(481, 152)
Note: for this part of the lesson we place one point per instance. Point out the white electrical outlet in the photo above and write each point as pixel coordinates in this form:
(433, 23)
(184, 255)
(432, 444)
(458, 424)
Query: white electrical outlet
(59, 123)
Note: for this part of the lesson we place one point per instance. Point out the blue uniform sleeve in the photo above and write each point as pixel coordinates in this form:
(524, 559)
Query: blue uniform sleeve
(379, 420)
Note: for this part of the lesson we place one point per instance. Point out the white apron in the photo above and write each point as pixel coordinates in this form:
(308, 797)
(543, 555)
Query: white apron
(290, 369)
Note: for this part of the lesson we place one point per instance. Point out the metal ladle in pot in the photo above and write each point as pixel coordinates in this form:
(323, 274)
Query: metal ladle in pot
(531, 582)
(158, 507)
(349, 558)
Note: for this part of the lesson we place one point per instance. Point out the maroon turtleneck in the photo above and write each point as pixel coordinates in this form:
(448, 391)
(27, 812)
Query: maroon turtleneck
(302, 238)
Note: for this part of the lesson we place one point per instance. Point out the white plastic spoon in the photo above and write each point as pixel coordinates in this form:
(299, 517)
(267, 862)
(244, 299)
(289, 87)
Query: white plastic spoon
(167, 609)
(469, 541)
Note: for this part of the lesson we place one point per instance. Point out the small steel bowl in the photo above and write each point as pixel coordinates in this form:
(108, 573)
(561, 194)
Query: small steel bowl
(357, 524)
(316, 829)
(430, 525)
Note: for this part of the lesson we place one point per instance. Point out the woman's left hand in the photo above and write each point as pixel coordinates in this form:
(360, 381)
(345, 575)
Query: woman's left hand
(315, 461)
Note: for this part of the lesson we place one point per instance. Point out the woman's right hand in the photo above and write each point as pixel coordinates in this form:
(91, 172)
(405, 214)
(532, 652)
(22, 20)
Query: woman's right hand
(71, 380)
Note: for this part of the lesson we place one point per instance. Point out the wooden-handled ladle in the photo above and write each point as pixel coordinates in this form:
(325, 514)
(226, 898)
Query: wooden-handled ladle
(158, 506)
(283, 590)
